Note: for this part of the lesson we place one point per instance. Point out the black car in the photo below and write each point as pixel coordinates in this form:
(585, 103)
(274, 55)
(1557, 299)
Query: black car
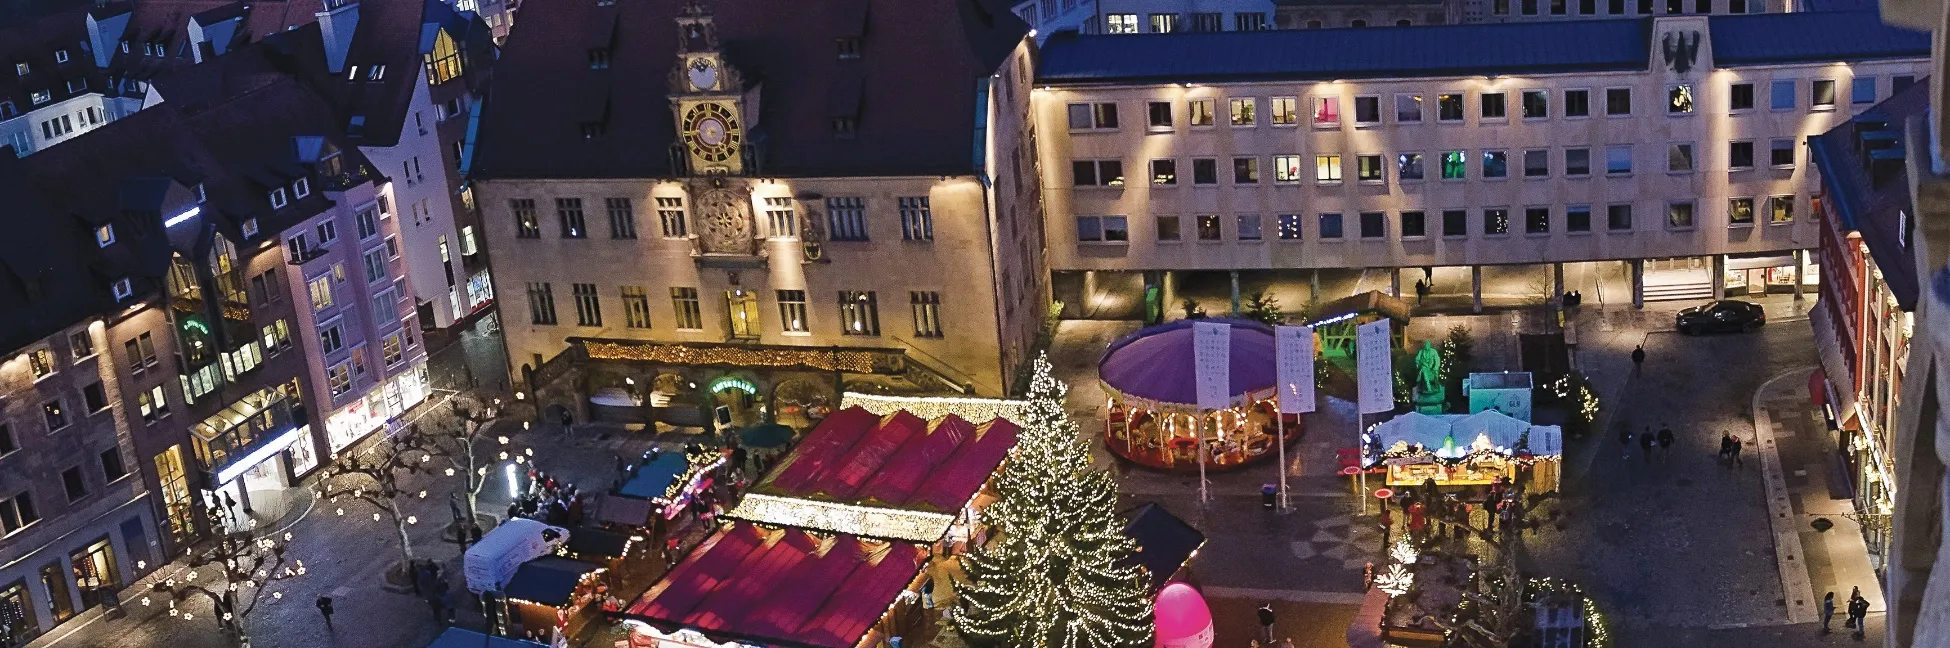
(1723, 315)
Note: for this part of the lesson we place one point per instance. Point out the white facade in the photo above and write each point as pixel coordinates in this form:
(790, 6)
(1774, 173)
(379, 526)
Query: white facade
(1333, 179)
(430, 241)
(61, 121)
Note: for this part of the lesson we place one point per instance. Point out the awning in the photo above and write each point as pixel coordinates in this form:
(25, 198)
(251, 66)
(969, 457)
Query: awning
(1818, 387)
(1835, 371)
(1773, 260)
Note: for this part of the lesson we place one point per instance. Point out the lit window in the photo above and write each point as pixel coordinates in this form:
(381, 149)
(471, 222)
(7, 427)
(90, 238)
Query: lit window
(1243, 112)
(1327, 111)
(1327, 168)
(104, 235)
(1679, 100)
(122, 289)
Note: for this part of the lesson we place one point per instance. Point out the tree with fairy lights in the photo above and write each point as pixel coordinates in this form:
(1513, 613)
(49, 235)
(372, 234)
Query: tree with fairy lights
(245, 569)
(378, 477)
(463, 446)
(1059, 574)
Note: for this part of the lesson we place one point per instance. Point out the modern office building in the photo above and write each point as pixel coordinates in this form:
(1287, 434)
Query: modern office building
(1667, 152)
(1866, 316)
(746, 208)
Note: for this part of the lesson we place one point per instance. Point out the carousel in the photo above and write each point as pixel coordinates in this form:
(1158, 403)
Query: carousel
(1154, 419)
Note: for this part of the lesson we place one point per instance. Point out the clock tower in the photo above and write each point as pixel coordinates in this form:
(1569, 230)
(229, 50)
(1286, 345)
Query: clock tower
(706, 97)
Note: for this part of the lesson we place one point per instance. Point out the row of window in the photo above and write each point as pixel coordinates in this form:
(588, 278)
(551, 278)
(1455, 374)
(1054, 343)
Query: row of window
(1415, 224)
(859, 310)
(1452, 107)
(339, 377)
(1165, 23)
(1618, 7)
(17, 511)
(846, 218)
(1371, 168)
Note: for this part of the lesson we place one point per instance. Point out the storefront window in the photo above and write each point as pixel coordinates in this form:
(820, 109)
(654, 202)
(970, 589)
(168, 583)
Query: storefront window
(176, 494)
(95, 574)
(17, 624)
(54, 580)
(304, 455)
(353, 423)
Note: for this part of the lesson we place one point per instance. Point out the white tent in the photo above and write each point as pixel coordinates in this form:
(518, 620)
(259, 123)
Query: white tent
(492, 561)
(1452, 436)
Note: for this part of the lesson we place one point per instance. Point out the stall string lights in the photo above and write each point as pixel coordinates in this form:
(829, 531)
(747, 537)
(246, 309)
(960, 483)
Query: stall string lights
(836, 517)
(973, 410)
(822, 359)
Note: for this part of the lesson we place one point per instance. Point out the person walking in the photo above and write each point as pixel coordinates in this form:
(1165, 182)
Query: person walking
(1737, 461)
(1827, 611)
(1266, 624)
(1665, 443)
(1726, 449)
(1638, 359)
(325, 608)
(1417, 517)
(1645, 444)
(1858, 609)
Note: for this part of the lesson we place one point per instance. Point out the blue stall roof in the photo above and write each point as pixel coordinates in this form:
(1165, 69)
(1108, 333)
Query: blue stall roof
(1460, 50)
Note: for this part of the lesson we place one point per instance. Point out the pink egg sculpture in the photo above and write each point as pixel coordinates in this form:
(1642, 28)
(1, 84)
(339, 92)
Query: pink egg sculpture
(1184, 621)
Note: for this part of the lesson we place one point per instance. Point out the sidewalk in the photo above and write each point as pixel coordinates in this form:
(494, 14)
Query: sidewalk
(1837, 559)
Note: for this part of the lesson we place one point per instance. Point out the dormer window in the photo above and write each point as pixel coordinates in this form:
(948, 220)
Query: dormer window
(844, 127)
(198, 189)
(41, 96)
(20, 69)
(122, 289)
(352, 73)
(599, 59)
(250, 227)
(60, 56)
(277, 197)
(125, 46)
(77, 85)
(376, 73)
(849, 47)
(104, 235)
(7, 110)
(301, 188)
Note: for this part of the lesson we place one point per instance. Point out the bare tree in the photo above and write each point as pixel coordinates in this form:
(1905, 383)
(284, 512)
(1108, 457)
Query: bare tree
(464, 447)
(245, 569)
(377, 477)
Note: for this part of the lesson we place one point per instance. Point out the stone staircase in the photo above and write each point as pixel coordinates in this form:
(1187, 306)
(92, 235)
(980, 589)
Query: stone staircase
(1678, 291)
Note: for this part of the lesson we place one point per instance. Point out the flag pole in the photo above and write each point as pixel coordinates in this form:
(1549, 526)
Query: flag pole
(1280, 424)
(1201, 459)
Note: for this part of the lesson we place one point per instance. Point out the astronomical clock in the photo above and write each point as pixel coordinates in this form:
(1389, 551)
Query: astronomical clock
(707, 98)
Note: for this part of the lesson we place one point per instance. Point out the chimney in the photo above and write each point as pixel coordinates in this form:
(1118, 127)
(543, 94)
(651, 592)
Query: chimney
(336, 24)
(105, 29)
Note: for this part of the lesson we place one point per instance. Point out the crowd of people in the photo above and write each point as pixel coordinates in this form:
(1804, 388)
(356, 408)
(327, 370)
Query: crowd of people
(1430, 515)
(555, 503)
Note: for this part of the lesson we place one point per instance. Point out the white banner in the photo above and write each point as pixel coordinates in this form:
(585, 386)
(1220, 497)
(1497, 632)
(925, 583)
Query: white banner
(1212, 364)
(1372, 354)
(1293, 351)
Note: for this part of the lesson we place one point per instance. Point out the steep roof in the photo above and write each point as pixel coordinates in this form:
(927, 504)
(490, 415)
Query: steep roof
(1874, 210)
(52, 274)
(392, 33)
(917, 80)
(1460, 50)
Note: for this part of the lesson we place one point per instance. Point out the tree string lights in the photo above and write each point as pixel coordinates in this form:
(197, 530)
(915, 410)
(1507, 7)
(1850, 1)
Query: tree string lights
(245, 569)
(1059, 575)
(376, 477)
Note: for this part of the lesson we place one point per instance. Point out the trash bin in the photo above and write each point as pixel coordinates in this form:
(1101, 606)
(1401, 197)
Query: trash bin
(1267, 494)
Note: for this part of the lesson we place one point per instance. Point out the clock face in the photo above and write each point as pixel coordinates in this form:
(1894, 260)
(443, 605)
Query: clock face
(711, 131)
(703, 74)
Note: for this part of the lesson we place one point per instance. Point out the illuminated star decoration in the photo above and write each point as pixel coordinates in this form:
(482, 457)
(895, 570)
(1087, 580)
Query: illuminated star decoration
(1403, 552)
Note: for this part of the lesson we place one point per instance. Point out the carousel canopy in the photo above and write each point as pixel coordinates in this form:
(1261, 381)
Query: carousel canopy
(1452, 436)
(1156, 363)
(548, 580)
(783, 587)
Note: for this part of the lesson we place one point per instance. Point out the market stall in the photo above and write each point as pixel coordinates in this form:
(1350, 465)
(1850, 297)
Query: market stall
(599, 546)
(1154, 419)
(1464, 450)
(553, 594)
(1165, 542)
(670, 480)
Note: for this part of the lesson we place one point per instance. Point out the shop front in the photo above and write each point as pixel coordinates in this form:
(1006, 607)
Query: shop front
(243, 448)
(1759, 274)
(376, 410)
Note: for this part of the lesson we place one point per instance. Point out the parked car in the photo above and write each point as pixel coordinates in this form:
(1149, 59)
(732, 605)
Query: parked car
(1723, 315)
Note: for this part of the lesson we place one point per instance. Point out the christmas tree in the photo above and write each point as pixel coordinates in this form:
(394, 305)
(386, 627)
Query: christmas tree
(1059, 574)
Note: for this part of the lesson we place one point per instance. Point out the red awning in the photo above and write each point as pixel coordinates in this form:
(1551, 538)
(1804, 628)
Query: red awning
(1818, 387)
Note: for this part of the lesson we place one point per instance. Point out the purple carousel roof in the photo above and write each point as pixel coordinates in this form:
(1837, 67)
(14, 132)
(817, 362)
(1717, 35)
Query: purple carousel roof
(1156, 362)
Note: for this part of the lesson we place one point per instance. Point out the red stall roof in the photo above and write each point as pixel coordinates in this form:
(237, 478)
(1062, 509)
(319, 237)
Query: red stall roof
(898, 460)
(783, 586)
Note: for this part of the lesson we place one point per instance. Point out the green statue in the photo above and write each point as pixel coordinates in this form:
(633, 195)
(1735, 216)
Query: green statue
(1428, 366)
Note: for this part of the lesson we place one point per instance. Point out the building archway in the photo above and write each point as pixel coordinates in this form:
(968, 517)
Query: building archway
(800, 403)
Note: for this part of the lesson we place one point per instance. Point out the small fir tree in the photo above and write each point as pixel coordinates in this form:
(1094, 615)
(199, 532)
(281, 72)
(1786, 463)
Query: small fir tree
(1059, 574)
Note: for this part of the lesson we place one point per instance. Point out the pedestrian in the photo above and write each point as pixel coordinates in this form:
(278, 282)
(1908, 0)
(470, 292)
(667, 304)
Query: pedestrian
(1737, 462)
(1625, 440)
(1665, 443)
(1638, 359)
(1858, 609)
(1387, 522)
(1726, 449)
(1491, 507)
(325, 608)
(1827, 611)
(1266, 623)
(1645, 444)
(1417, 517)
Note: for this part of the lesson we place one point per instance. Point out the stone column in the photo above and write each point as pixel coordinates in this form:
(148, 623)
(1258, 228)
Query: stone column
(1169, 293)
(1395, 282)
(1557, 284)
(1719, 276)
(1800, 264)
(1638, 282)
(1315, 286)
(1235, 293)
(1476, 288)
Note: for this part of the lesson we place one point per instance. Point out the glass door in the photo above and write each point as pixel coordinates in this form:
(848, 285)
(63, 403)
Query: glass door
(55, 581)
(95, 574)
(743, 306)
(17, 624)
